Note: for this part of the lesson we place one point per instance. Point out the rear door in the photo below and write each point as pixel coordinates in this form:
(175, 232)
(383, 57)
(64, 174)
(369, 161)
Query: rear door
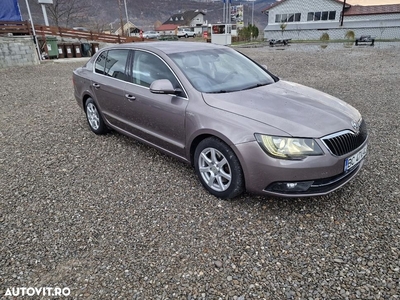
(109, 83)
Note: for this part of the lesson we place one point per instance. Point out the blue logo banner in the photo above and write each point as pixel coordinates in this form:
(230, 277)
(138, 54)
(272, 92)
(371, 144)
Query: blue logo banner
(9, 10)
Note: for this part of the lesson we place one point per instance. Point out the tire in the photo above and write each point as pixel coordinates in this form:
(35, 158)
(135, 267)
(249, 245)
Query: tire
(186, 36)
(218, 168)
(94, 118)
(194, 35)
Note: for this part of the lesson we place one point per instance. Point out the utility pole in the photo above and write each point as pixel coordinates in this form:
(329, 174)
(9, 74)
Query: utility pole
(120, 18)
(127, 19)
(33, 31)
(252, 14)
(344, 6)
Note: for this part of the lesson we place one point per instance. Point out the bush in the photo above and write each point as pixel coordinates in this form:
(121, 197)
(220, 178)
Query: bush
(324, 37)
(246, 33)
(350, 35)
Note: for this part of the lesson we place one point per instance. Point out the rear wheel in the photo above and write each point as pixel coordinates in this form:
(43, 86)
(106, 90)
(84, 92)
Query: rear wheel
(218, 168)
(93, 116)
(186, 36)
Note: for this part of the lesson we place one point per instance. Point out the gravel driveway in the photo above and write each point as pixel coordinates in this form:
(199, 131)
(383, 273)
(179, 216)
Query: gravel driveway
(110, 218)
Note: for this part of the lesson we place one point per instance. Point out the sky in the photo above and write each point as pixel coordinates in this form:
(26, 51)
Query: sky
(372, 2)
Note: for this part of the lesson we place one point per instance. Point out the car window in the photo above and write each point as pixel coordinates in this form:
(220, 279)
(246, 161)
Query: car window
(113, 63)
(101, 62)
(147, 67)
(221, 70)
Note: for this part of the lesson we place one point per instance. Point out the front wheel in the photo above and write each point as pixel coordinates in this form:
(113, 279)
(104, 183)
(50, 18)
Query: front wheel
(93, 116)
(218, 168)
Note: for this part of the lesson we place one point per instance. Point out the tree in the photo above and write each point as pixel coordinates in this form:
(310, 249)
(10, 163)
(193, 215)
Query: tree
(246, 33)
(65, 12)
(283, 27)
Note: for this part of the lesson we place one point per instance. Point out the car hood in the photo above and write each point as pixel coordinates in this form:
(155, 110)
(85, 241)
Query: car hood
(296, 109)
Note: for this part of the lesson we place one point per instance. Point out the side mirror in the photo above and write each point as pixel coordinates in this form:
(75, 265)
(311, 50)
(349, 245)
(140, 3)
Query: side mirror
(162, 86)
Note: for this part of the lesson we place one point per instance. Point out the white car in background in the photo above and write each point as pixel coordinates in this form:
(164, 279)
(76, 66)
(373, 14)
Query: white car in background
(185, 32)
(151, 35)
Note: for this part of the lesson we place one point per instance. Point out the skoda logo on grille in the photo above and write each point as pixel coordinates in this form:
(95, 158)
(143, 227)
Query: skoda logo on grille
(356, 125)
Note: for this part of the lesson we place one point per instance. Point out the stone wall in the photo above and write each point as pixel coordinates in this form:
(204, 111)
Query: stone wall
(17, 51)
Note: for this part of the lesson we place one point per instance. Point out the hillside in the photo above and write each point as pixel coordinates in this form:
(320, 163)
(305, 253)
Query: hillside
(98, 14)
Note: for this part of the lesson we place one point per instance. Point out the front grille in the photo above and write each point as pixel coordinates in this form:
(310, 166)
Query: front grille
(345, 142)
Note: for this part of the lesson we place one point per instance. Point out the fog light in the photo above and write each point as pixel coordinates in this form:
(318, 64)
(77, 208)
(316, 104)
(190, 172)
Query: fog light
(290, 187)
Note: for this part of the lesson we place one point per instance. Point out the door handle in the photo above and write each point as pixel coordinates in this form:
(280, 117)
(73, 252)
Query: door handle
(130, 97)
(96, 85)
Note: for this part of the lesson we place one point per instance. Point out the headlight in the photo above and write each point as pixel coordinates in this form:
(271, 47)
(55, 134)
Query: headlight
(288, 148)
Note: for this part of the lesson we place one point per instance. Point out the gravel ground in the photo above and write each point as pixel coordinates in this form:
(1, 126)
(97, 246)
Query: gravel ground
(110, 218)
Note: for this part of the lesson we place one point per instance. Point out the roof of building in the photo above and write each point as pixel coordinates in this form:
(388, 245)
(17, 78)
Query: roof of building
(167, 27)
(356, 10)
(183, 18)
(282, 1)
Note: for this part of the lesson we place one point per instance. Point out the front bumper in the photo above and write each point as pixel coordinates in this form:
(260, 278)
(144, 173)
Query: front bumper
(313, 176)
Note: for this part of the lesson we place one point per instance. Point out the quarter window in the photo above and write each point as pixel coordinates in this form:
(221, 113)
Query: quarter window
(113, 64)
(101, 62)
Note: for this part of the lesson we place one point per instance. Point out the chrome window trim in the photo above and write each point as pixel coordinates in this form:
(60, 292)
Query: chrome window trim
(172, 71)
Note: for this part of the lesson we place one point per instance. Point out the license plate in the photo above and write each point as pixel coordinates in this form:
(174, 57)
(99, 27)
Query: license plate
(353, 160)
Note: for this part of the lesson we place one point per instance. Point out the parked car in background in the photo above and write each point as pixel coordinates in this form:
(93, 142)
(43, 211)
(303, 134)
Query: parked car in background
(151, 35)
(240, 126)
(80, 28)
(184, 32)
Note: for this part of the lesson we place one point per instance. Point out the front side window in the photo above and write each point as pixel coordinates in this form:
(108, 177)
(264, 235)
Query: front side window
(147, 67)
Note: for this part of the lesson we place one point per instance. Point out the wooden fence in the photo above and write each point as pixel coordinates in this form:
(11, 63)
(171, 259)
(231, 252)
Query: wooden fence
(25, 28)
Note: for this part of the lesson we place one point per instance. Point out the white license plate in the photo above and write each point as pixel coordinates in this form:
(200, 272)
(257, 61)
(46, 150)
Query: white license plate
(355, 159)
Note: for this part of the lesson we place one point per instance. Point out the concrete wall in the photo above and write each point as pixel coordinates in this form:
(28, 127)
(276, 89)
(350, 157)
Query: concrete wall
(17, 51)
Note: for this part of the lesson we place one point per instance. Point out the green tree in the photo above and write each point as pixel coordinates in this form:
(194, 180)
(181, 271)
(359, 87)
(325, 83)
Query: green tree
(283, 27)
(246, 33)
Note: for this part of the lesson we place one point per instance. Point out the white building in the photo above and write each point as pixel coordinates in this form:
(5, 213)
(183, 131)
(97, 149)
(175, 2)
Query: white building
(309, 19)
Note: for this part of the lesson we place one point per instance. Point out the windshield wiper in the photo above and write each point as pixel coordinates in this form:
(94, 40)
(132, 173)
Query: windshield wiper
(220, 92)
(256, 86)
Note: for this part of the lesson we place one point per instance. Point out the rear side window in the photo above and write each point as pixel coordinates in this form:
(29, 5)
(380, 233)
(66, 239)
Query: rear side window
(113, 64)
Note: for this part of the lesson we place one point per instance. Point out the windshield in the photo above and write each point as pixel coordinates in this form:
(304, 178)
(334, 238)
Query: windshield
(221, 70)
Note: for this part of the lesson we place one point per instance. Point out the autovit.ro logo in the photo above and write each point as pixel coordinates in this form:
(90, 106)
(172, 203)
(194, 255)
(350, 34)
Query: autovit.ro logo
(34, 291)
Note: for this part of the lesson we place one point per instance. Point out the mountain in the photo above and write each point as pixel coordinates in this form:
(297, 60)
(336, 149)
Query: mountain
(103, 14)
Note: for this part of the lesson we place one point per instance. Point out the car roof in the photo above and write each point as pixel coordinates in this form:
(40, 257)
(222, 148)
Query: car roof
(169, 47)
